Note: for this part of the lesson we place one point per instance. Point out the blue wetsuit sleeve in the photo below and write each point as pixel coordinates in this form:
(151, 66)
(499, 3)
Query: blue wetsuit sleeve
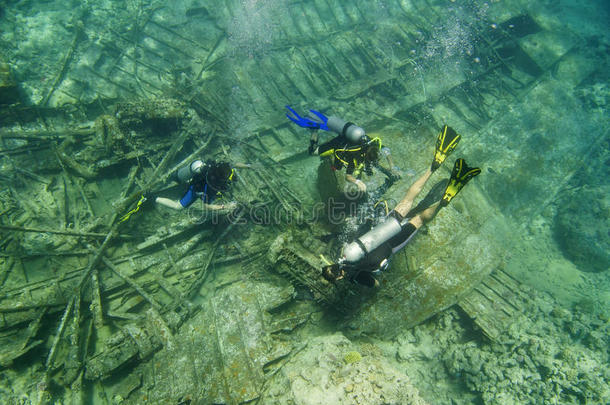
(188, 197)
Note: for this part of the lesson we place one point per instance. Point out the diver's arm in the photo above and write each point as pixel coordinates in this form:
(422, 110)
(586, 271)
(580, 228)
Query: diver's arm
(219, 207)
(390, 161)
(213, 207)
(357, 182)
(393, 169)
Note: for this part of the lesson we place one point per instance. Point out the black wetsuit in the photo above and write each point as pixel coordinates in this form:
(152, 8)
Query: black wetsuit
(335, 143)
(344, 154)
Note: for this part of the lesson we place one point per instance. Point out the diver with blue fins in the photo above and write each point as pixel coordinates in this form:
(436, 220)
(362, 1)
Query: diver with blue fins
(205, 181)
(368, 255)
(351, 149)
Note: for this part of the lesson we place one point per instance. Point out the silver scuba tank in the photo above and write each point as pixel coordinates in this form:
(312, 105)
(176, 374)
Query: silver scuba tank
(186, 173)
(357, 250)
(351, 131)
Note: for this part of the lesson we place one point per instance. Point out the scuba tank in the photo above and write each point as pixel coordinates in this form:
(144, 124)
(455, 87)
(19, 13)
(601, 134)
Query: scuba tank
(186, 173)
(349, 130)
(359, 248)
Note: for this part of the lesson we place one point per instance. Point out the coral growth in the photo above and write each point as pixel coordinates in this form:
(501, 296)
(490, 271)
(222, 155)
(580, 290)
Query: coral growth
(352, 357)
(537, 362)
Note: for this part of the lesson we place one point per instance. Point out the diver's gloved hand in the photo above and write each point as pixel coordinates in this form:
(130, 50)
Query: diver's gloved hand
(309, 122)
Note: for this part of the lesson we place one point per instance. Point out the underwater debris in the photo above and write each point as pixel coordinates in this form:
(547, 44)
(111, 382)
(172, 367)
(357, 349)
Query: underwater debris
(296, 255)
(8, 87)
(112, 291)
(494, 303)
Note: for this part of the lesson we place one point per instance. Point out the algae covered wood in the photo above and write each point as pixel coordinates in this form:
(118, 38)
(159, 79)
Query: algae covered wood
(222, 352)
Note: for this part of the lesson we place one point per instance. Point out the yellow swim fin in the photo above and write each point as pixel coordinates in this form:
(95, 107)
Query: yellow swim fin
(460, 175)
(445, 144)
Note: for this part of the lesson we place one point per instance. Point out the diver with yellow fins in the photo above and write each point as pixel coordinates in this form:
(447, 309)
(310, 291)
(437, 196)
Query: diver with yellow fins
(351, 149)
(368, 255)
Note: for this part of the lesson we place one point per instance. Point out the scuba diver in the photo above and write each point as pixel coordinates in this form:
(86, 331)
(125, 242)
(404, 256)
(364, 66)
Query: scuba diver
(351, 149)
(368, 255)
(205, 180)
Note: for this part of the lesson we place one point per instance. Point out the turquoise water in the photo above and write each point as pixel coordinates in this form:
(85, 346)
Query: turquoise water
(503, 298)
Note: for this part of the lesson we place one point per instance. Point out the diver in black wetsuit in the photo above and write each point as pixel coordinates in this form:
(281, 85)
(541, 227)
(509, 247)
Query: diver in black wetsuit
(351, 149)
(369, 254)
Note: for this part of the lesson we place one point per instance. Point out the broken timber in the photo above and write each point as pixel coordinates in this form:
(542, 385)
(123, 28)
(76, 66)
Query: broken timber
(494, 303)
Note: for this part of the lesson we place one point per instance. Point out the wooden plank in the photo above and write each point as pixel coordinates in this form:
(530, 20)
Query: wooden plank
(496, 301)
(475, 305)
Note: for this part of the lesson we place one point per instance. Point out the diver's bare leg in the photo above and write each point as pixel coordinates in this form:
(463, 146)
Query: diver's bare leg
(425, 216)
(169, 203)
(406, 203)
